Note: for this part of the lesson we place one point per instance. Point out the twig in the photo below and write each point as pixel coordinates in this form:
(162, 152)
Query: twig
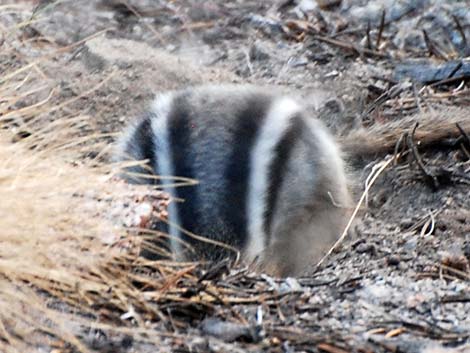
(376, 172)
(455, 298)
(456, 272)
(430, 223)
(429, 177)
(455, 69)
(393, 92)
(325, 347)
(396, 153)
(427, 42)
(449, 80)
(424, 220)
(464, 134)
(381, 28)
(462, 34)
(351, 47)
(347, 31)
(432, 48)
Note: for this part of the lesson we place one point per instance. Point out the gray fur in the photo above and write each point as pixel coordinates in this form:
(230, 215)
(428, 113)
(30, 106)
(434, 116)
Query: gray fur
(312, 200)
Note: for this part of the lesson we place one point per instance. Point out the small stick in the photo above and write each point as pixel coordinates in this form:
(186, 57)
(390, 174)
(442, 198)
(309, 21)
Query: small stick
(393, 92)
(455, 69)
(462, 34)
(429, 177)
(423, 220)
(448, 80)
(465, 151)
(464, 134)
(346, 31)
(381, 28)
(397, 146)
(349, 46)
(432, 48)
(427, 42)
(376, 172)
(430, 223)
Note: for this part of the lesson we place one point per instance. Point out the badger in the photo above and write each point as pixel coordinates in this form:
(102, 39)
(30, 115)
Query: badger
(271, 182)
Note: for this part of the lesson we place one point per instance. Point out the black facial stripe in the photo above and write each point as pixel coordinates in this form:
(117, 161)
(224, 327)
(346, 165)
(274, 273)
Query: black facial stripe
(148, 144)
(179, 135)
(237, 173)
(278, 169)
(141, 146)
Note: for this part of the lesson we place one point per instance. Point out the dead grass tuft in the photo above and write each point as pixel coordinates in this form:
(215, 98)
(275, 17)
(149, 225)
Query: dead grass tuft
(66, 253)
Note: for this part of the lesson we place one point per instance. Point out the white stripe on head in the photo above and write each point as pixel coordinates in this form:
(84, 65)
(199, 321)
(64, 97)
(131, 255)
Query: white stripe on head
(271, 132)
(161, 107)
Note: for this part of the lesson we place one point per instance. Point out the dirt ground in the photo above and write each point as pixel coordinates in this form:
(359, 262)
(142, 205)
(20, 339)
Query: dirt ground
(401, 281)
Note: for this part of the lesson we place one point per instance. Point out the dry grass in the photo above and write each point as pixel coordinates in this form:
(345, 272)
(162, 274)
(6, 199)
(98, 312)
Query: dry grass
(64, 251)
(48, 239)
(56, 238)
(69, 264)
(68, 267)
